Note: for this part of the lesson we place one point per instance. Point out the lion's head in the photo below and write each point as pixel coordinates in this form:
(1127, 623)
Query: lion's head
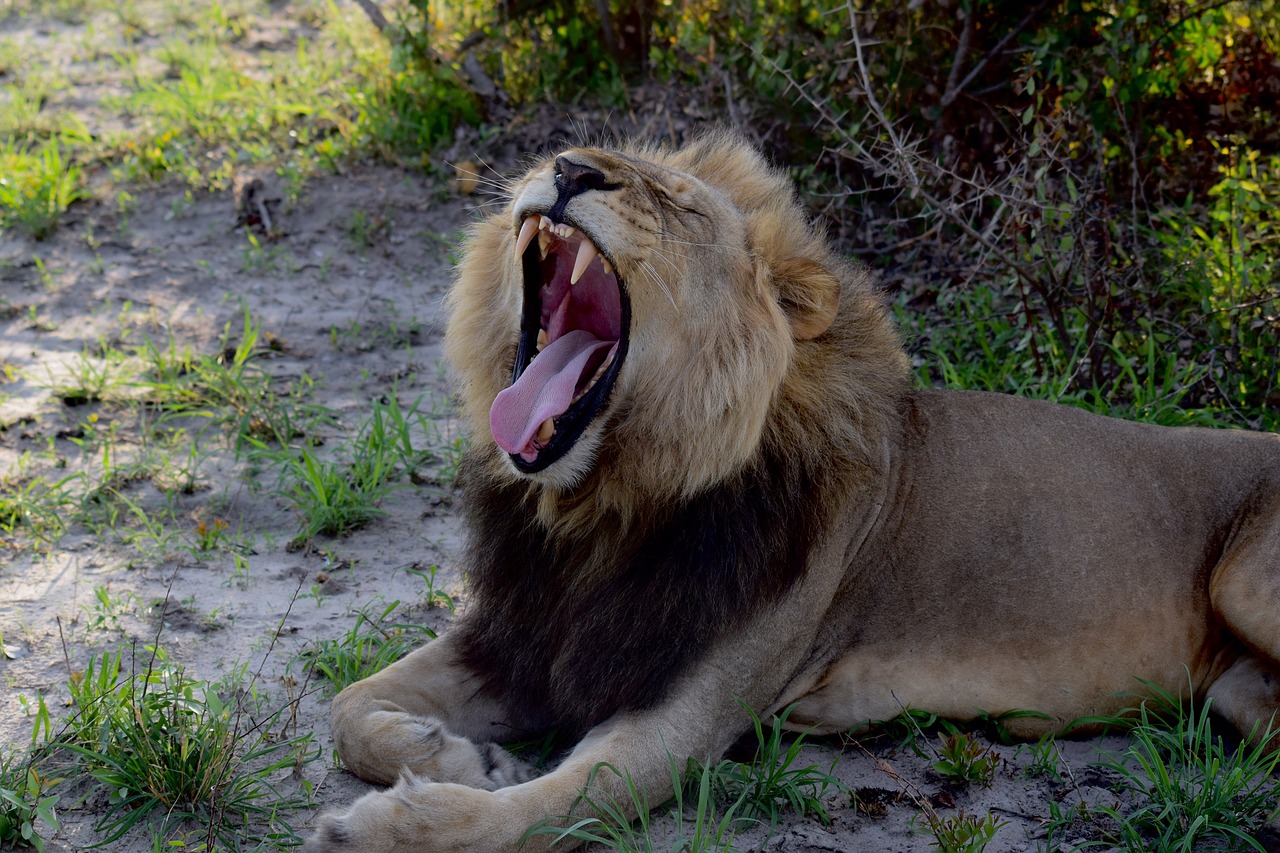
(643, 318)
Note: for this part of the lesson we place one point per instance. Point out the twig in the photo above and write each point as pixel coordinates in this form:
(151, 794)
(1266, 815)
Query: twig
(66, 656)
(953, 92)
(375, 14)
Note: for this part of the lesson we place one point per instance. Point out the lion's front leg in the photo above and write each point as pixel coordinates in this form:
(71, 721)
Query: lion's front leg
(423, 715)
(700, 717)
(417, 816)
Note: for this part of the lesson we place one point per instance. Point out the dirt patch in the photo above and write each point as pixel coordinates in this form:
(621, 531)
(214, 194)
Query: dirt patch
(348, 316)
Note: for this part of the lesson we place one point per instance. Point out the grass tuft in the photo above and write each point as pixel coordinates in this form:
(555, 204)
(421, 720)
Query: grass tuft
(36, 188)
(701, 824)
(373, 643)
(166, 746)
(24, 803)
(774, 782)
(1187, 789)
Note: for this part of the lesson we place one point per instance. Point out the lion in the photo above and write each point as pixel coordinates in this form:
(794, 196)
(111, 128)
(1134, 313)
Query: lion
(700, 483)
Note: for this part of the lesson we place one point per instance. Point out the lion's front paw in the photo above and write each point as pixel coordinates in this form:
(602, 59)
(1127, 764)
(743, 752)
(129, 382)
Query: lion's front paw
(415, 817)
(331, 836)
(504, 768)
(455, 759)
(423, 747)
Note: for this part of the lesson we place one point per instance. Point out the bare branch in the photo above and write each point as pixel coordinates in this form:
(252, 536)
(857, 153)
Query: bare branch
(953, 92)
(375, 14)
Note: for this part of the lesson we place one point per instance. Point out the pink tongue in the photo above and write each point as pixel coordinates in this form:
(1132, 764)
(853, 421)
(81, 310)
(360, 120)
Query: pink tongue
(544, 390)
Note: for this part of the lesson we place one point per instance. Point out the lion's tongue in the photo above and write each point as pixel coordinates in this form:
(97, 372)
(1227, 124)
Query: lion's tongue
(544, 390)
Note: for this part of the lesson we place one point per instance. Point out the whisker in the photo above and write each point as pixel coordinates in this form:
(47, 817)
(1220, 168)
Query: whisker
(656, 279)
(508, 181)
(660, 255)
(495, 185)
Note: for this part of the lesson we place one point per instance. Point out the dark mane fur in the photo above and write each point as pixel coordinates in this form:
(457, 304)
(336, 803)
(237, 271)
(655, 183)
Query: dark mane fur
(574, 629)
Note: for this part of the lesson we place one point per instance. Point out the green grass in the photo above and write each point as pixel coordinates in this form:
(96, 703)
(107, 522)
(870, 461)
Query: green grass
(374, 642)
(92, 375)
(711, 805)
(702, 824)
(338, 492)
(37, 186)
(26, 809)
(169, 749)
(332, 498)
(1045, 759)
(962, 832)
(775, 781)
(32, 506)
(963, 759)
(215, 104)
(150, 413)
(976, 342)
(1193, 790)
(1189, 789)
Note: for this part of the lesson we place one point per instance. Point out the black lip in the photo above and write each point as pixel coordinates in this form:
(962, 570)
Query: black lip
(571, 424)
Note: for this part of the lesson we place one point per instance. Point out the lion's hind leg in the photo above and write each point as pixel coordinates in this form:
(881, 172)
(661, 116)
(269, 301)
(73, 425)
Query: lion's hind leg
(422, 716)
(1245, 592)
(1247, 695)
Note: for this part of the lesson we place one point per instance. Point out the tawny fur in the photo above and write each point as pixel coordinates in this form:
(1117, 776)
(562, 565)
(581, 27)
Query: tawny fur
(765, 514)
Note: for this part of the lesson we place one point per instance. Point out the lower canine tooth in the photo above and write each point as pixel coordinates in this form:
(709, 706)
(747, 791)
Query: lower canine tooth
(544, 244)
(546, 430)
(542, 339)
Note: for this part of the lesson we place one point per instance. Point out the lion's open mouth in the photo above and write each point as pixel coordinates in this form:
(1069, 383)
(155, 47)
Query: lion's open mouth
(573, 339)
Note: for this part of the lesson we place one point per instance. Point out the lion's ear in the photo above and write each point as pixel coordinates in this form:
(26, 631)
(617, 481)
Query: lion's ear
(809, 295)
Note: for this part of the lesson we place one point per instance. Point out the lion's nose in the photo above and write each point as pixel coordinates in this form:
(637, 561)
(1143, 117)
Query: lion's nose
(574, 179)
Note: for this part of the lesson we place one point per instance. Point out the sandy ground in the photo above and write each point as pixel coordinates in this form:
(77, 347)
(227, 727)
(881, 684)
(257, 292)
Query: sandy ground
(356, 317)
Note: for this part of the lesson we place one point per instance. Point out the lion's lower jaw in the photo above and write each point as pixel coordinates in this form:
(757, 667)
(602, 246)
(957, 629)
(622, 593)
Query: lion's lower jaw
(566, 473)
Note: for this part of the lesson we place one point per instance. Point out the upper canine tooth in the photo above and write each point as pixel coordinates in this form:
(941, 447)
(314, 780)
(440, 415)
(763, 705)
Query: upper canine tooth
(527, 230)
(587, 253)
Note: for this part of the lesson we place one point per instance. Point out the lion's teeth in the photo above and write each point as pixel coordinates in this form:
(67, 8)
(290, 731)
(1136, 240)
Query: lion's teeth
(542, 339)
(564, 232)
(527, 230)
(586, 254)
(544, 244)
(544, 223)
(608, 267)
(547, 430)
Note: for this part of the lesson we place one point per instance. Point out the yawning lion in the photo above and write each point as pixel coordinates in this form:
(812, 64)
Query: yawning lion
(699, 478)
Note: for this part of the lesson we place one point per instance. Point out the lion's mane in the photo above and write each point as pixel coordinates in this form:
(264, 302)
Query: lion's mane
(591, 600)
